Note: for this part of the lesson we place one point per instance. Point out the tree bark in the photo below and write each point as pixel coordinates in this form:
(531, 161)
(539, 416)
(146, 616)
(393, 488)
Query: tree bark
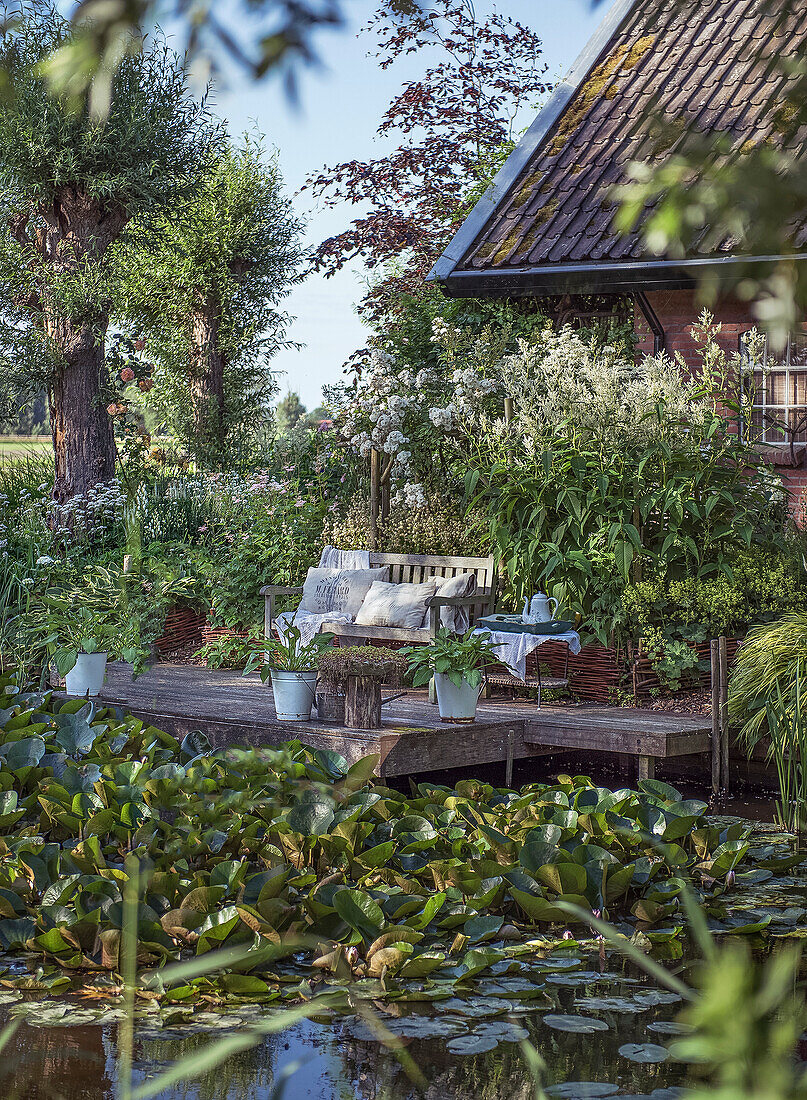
(68, 234)
(83, 438)
(207, 381)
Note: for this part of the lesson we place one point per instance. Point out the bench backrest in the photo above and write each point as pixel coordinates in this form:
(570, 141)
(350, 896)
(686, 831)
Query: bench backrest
(416, 568)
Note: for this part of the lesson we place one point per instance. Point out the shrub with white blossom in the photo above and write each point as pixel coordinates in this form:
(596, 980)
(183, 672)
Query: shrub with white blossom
(422, 419)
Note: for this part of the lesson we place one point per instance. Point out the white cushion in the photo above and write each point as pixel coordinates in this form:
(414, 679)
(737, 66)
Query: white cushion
(402, 605)
(454, 618)
(340, 591)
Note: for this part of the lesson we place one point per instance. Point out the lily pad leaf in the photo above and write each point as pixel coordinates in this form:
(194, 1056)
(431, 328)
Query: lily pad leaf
(472, 1044)
(647, 1053)
(359, 911)
(581, 1025)
(25, 753)
(310, 818)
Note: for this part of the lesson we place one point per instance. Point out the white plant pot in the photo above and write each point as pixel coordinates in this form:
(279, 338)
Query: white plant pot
(87, 674)
(294, 695)
(456, 704)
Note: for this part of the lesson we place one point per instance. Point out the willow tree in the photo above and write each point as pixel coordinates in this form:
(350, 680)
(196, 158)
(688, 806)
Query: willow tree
(204, 288)
(69, 187)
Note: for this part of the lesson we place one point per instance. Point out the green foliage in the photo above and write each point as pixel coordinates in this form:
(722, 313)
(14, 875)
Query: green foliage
(287, 654)
(768, 668)
(459, 658)
(766, 694)
(583, 498)
(289, 411)
(442, 526)
(231, 650)
(670, 615)
(204, 282)
(275, 851)
(71, 183)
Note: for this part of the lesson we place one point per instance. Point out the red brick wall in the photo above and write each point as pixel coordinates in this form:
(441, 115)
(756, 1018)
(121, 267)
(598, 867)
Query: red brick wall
(677, 310)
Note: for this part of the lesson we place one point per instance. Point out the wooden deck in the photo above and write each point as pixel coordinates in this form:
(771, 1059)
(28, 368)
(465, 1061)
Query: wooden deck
(236, 710)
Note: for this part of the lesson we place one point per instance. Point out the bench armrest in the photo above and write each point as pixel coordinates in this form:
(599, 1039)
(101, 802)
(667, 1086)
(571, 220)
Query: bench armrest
(457, 601)
(480, 599)
(269, 592)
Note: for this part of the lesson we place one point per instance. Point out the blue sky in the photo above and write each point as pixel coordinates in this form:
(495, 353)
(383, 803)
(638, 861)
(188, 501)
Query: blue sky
(339, 108)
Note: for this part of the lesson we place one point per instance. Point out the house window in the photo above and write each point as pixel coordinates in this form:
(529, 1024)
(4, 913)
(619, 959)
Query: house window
(778, 393)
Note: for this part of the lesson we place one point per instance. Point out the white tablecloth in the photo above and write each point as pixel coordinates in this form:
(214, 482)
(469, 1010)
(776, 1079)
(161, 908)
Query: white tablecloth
(513, 649)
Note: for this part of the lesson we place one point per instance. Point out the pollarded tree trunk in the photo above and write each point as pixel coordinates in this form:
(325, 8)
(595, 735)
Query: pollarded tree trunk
(207, 382)
(70, 236)
(83, 439)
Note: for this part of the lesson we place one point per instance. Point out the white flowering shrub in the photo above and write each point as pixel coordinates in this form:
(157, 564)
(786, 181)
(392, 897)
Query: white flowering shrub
(423, 419)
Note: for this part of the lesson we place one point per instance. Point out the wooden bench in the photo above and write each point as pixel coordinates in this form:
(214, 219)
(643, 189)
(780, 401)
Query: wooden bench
(408, 569)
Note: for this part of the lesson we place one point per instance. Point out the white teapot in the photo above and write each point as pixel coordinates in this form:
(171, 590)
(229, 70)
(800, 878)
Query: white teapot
(537, 610)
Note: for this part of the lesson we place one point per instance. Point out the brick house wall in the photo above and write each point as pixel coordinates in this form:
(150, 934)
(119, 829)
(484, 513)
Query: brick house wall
(677, 310)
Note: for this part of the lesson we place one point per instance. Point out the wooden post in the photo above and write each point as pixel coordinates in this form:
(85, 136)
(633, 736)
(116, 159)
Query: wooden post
(386, 479)
(508, 409)
(375, 496)
(647, 767)
(363, 703)
(508, 767)
(714, 653)
(724, 715)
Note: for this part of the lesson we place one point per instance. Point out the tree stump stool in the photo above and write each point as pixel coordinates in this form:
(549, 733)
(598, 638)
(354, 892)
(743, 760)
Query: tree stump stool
(357, 672)
(363, 702)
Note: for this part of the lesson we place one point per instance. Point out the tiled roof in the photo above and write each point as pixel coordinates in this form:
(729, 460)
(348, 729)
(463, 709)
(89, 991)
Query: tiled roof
(707, 61)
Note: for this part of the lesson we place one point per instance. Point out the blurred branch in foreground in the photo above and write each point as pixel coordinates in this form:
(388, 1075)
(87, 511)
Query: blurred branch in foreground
(256, 36)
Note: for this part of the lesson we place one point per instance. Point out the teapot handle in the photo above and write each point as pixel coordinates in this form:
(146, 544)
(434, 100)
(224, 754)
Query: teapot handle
(555, 602)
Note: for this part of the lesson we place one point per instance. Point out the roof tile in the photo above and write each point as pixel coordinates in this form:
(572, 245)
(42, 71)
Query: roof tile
(697, 59)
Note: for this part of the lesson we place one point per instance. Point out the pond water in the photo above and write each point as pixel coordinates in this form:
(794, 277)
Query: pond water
(600, 1026)
(341, 1060)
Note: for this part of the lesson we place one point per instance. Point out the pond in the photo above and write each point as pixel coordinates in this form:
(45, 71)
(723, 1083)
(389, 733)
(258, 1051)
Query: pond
(601, 1026)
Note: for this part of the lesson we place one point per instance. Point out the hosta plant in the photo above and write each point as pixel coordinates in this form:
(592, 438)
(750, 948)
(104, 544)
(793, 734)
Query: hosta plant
(461, 659)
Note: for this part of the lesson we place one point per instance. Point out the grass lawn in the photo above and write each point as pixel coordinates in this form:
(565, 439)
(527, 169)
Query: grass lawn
(18, 446)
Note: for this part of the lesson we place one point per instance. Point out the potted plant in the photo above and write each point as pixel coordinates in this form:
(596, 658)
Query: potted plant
(83, 628)
(80, 645)
(457, 664)
(292, 667)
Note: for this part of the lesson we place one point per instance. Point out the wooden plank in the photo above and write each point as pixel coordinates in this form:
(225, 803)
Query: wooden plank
(464, 564)
(714, 652)
(376, 633)
(723, 711)
(233, 709)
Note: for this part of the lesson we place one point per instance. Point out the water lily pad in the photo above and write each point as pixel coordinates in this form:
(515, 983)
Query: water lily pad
(472, 1044)
(582, 1025)
(646, 1053)
(667, 1027)
(583, 1090)
(625, 1005)
(579, 977)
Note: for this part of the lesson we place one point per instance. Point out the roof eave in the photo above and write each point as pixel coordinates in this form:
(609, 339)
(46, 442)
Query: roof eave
(561, 96)
(592, 278)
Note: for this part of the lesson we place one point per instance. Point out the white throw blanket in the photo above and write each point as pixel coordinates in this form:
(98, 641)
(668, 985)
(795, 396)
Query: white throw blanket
(308, 622)
(513, 649)
(332, 558)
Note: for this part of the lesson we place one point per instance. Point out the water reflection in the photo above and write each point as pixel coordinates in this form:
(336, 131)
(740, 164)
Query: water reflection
(79, 1063)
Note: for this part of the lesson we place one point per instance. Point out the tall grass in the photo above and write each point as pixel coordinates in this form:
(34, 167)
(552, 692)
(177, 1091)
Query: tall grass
(766, 694)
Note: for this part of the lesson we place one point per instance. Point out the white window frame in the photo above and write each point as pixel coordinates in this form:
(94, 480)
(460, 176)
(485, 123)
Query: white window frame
(759, 432)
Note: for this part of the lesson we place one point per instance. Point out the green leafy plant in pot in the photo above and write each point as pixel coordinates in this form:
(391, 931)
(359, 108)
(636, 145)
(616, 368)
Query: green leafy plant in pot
(80, 643)
(292, 667)
(457, 664)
